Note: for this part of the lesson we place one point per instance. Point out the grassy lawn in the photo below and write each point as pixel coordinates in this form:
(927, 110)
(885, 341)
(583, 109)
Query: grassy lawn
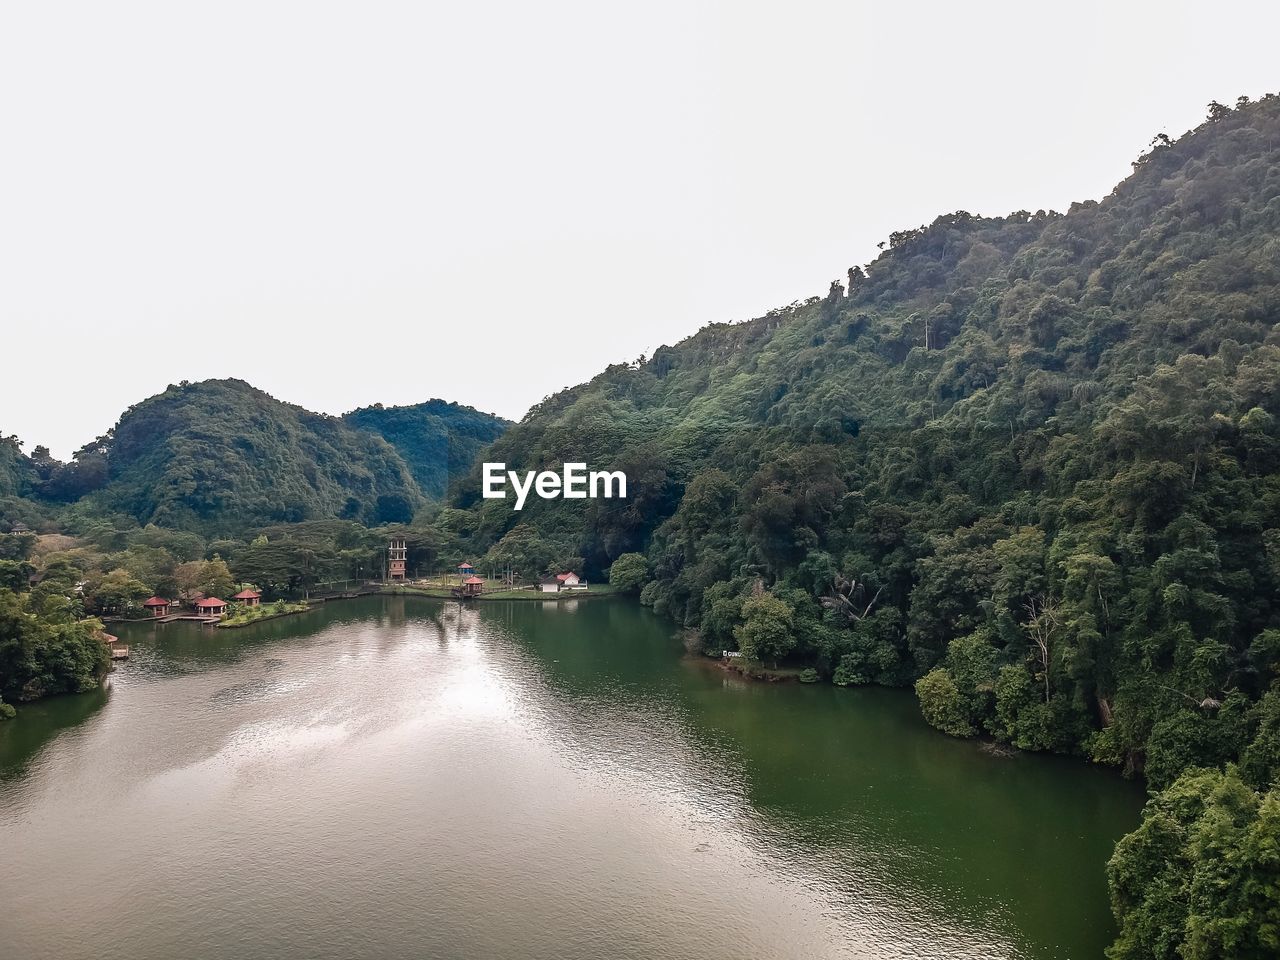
(434, 588)
(263, 611)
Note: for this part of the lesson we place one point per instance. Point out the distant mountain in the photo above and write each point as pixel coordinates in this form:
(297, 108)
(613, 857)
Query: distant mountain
(222, 456)
(438, 440)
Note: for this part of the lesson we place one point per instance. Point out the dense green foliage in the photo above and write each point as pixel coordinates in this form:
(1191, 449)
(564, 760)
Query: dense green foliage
(223, 457)
(438, 440)
(46, 644)
(1200, 879)
(629, 572)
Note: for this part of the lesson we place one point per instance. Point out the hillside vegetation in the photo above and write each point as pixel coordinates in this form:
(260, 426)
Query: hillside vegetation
(1040, 429)
(221, 457)
(1028, 464)
(439, 441)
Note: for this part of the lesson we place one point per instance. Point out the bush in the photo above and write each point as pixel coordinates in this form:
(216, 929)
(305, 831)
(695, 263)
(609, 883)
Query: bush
(849, 672)
(1196, 880)
(808, 675)
(766, 631)
(44, 652)
(629, 572)
(941, 703)
(6, 711)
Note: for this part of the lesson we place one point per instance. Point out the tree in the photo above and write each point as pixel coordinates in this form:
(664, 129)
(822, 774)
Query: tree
(276, 568)
(721, 611)
(118, 593)
(524, 550)
(941, 703)
(215, 578)
(629, 572)
(765, 633)
(1041, 626)
(15, 574)
(42, 655)
(1199, 879)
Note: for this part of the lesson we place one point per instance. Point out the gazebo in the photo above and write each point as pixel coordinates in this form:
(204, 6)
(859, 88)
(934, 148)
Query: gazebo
(158, 606)
(250, 598)
(472, 587)
(211, 607)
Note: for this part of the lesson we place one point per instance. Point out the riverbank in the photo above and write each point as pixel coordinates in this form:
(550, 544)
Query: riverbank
(753, 670)
(272, 611)
(262, 613)
(446, 593)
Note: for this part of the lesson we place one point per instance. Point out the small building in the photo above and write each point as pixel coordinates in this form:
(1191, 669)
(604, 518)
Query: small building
(472, 587)
(250, 598)
(19, 527)
(466, 570)
(158, 606)
(210, 607)
(397, 559)
(570, 580)
(549, 585)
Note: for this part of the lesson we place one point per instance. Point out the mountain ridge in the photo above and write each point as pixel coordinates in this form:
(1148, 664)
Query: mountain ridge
(223, 455)
(438, 439)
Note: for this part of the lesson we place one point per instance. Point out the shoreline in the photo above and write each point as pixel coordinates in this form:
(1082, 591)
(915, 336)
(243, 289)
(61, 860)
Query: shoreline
(431, 593)
(523, 596)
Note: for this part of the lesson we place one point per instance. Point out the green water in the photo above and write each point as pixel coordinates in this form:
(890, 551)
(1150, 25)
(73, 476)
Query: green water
(403, 778)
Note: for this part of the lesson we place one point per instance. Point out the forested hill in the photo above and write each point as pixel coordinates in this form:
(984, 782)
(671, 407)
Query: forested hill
(439, 441)
(1034, 459)
(220, 457)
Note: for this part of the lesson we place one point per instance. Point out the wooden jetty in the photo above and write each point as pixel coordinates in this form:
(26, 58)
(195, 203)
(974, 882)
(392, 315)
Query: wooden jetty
(185, 616)
(119, 651)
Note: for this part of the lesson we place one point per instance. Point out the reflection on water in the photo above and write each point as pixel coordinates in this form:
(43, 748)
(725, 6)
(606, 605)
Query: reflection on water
(397, 777)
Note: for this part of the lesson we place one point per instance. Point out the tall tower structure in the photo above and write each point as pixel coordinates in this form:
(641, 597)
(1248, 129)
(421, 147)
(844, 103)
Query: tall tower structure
(397, 559)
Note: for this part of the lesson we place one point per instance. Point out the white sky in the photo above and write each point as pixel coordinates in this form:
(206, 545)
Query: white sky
(487, 202)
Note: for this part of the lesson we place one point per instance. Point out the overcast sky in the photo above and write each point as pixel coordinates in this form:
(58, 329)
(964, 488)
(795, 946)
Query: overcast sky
(486, 202)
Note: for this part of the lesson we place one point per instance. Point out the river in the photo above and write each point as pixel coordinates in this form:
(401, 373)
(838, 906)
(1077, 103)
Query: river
(396, 777)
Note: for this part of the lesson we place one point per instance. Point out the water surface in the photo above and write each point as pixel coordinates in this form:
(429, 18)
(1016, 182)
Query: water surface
(404, 778)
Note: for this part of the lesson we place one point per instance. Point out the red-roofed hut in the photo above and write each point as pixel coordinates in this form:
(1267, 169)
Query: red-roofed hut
(250, 598)
(158, 606)
(211, 607)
